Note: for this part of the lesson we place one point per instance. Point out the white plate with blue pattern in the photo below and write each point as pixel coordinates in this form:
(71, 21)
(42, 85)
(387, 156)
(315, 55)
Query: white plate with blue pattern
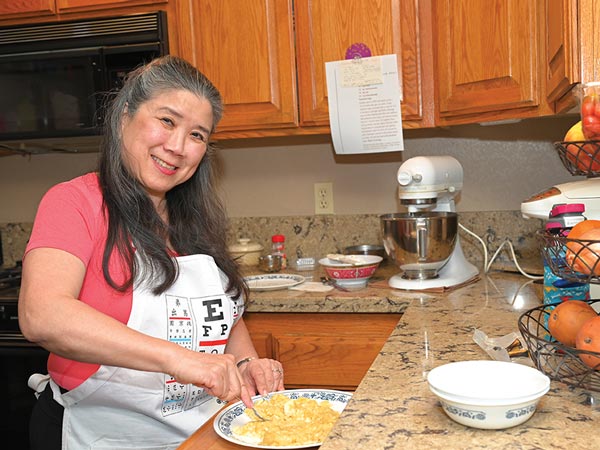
(233, 416)
(273, 282)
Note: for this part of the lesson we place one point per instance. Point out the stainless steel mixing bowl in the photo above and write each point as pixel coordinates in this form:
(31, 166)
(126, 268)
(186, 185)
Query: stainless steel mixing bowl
(419, 243)
(366, 249)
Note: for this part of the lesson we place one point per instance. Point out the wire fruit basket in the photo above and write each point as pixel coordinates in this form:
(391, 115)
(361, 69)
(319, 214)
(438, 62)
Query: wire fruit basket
(580, 157)
(574, 260)
(557, 361)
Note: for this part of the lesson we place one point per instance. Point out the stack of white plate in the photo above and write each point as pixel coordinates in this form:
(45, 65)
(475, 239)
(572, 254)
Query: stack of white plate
(488, 394)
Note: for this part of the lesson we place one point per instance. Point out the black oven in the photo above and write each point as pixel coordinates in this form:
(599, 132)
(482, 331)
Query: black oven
(55, 78)
(19, 359)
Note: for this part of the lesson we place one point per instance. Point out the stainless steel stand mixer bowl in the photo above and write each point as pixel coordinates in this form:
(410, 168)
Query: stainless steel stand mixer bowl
(419, 243)
(424, 242)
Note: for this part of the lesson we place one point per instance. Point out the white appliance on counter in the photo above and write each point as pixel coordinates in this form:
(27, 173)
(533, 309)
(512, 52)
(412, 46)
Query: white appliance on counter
(432, 183)
(586, 192)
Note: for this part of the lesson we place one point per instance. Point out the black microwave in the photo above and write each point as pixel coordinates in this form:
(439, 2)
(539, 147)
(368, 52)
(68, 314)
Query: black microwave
(55, 78)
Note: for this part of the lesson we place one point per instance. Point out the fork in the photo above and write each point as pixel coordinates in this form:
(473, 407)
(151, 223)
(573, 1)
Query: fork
(261, 418)
(335, 284)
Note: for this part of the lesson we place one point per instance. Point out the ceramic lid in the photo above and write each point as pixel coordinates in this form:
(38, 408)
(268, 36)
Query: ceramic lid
(244, 245)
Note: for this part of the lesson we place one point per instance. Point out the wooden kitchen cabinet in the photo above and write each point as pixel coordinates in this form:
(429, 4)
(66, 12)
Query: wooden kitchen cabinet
(573, 48)
(589, 39)
(325, 29)
(18, 8)
(267, 57)
(34, 10)
(65, 5)
(518, 59)
(246, 48)
(461, 61)
(321, 350)
(179, 22)
(562, 50)
(488, 60)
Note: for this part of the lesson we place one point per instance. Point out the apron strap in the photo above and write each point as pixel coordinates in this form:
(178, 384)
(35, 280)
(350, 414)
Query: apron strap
(38, 382)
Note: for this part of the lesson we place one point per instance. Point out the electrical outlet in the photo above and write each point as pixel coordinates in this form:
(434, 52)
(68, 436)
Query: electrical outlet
(323, 198)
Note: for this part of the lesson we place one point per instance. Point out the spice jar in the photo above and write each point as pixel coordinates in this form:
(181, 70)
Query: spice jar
(269, 263)
(278, 241)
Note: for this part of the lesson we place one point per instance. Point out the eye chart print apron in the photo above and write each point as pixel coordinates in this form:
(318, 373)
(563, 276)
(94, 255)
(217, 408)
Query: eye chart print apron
(121, 408)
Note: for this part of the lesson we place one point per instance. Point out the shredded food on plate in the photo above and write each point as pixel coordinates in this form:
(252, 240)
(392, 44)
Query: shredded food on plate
(298, 421)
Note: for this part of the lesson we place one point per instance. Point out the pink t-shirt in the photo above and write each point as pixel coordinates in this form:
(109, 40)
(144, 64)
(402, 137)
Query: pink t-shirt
(70, 217)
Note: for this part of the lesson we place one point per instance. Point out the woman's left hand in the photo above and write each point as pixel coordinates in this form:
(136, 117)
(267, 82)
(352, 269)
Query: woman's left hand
(262, 376)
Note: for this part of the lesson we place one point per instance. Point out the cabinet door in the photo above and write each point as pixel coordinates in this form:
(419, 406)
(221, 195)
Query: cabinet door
(589, 39)
(321, 350)
(263, 344)
(562, 51)
(11, 8)
(486, 55)
(325, 29)
(335, 362)
(65, 5)
(246, 49)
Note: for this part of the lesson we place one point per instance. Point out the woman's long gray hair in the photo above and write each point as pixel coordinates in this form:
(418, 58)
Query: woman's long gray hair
(197, 219)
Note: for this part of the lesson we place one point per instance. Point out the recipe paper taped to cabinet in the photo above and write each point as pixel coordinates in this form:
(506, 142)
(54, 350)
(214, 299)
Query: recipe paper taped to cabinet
(364, 105)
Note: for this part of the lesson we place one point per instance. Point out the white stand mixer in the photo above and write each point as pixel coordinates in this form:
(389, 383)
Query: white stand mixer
(431, 183)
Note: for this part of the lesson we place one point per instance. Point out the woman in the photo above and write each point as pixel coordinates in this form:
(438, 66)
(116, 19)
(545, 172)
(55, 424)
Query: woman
(128, 283)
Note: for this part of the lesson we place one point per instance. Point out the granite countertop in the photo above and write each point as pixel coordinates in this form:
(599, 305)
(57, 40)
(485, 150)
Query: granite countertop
(377, 297)
(393, 407)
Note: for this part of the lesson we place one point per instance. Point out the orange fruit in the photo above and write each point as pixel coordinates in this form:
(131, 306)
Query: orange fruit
(584, 258)
(588, 338)
(590, 255)
(584, 155)
(567, 318)
(582, 227)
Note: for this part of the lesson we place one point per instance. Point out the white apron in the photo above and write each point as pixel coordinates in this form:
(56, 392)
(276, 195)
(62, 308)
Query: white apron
(121, 408)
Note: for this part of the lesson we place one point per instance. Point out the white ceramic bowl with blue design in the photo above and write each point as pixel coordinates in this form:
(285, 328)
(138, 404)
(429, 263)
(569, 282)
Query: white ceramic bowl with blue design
(488, 394)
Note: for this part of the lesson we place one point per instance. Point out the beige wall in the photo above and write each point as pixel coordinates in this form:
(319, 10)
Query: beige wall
(503, 165)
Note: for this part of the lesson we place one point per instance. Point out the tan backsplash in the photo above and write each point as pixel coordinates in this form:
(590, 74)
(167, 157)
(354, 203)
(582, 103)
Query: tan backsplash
(315, 236)
(14, 239)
